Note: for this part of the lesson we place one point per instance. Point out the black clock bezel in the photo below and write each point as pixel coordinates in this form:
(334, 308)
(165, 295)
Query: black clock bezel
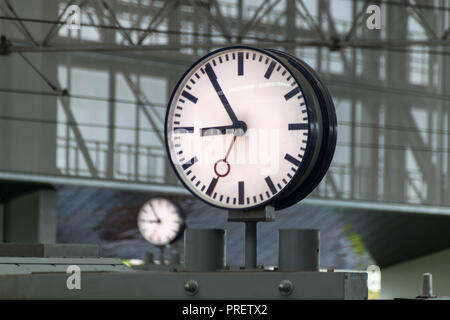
(329, 129)
(180, 213)
(277, 200)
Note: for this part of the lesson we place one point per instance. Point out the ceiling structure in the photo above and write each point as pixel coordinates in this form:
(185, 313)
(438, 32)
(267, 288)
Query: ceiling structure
(97, 95)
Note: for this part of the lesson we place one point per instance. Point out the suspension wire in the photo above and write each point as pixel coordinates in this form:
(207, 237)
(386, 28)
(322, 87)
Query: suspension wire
(314, 43)
(341, 144)
(407, 4)
(79, 124)
(43, 77)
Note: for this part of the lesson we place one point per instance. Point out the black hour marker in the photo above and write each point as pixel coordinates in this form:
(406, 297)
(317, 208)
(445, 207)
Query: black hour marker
(240, 63)
(241, 192)
(211, 186)
(270, 70)
(183, 129)
(291, 93)
(271, 185)
(292, 160)
(189, 163)
(298, 126)
(189, 96)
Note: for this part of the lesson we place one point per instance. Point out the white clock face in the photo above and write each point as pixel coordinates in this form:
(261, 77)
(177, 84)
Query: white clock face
(237, 128)
(159, 221)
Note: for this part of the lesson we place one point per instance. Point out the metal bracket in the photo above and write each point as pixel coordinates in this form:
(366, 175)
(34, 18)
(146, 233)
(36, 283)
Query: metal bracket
(5, 46)
(266, 214)
(251, 218)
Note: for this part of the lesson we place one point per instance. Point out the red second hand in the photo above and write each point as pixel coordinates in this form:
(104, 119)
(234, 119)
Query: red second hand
(224, 160)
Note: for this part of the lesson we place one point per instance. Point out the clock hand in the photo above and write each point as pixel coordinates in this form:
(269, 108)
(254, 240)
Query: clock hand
(150, 221)
(154, 212)
(216, 179)
(213, 78)
(229, 149)
(238, 129)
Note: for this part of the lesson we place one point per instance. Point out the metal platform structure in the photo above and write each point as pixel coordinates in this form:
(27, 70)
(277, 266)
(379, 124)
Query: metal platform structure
(86, 107)
(44, 273)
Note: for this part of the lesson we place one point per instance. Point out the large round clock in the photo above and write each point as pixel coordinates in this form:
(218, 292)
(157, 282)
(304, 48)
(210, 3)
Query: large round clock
(247, 127)
(160, 221)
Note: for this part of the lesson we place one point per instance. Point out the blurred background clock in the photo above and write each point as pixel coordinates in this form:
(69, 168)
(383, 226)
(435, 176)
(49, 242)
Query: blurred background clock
(160, 221)
(247, 127)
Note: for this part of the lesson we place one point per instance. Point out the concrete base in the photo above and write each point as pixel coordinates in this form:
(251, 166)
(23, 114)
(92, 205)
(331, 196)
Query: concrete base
(48, 250)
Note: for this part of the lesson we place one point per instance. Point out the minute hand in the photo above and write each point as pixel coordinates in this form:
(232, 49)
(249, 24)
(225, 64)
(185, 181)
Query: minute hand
(213, 78)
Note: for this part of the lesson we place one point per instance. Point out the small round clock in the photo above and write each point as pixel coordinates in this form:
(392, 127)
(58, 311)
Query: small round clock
(160, 221)
(247, 127)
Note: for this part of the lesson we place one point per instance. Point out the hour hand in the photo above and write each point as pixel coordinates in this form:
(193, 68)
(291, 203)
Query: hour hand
(237, 129)
(213, 131)
(150, 221)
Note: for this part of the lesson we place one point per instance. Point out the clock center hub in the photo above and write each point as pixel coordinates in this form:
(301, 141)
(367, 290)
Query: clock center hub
(241, 128)
(222, 168)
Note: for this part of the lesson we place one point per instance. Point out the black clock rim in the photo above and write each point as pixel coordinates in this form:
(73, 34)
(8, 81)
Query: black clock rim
(329, 137)
(309, 147)
(180, 212)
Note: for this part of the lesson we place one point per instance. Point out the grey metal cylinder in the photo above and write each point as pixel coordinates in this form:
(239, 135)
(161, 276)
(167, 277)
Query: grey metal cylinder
(149, 258)
(204, 249)
(174, 258)
(298, 249)
(427, 285)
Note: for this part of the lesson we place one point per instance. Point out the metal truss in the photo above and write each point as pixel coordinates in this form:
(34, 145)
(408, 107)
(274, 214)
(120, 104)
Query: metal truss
(393, 145)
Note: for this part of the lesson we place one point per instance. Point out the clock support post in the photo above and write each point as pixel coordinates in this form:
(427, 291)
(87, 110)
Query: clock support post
(251, 218)
(161, 254)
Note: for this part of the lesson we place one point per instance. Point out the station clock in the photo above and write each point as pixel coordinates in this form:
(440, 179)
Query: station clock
(247, 127)
(160, 221)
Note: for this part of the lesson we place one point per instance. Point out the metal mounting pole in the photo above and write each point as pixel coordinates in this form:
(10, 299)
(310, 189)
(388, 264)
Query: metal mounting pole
(161, 255)
(251, 218)
(251, 244)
